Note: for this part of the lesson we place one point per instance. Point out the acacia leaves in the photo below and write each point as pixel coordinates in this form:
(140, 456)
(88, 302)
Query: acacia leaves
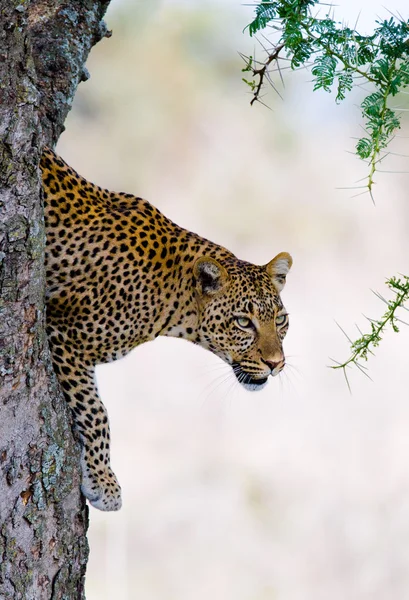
(340, 57)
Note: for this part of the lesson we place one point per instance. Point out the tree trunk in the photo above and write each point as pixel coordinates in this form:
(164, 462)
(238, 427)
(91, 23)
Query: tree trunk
(43, 516)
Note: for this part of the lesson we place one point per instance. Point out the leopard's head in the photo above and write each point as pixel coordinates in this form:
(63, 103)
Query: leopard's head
(241, 317)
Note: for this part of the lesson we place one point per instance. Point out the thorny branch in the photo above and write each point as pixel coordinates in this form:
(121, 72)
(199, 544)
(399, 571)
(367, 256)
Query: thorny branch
(362, 346)
(262, 71)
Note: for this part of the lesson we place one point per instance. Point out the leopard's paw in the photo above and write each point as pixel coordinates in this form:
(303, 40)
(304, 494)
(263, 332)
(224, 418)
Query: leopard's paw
(102, 489)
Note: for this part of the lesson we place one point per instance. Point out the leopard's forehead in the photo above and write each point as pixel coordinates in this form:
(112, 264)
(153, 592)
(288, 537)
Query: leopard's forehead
(252, 291)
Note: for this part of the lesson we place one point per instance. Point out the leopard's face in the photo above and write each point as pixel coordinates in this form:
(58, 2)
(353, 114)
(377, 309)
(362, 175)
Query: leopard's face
(242, 318)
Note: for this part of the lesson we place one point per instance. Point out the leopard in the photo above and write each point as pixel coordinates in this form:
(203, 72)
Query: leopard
(119, 273)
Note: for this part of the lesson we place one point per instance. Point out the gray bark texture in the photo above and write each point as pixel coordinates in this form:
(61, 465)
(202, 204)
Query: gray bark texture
(43, 517)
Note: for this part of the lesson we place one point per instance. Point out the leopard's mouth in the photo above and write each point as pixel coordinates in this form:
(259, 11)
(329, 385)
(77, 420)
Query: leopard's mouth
(251, 383)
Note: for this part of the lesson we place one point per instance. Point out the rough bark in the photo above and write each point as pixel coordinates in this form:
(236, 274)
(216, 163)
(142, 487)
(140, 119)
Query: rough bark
(43, 517)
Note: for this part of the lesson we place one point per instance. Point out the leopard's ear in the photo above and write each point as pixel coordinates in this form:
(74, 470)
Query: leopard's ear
(278, 269)
(210, 276)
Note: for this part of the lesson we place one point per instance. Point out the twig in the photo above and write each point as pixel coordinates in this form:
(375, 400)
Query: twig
(263, 70)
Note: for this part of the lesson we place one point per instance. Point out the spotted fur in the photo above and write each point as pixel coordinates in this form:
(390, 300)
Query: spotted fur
(119, 273)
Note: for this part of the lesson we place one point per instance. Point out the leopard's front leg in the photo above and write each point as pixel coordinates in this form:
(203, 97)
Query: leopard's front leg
(77, 379)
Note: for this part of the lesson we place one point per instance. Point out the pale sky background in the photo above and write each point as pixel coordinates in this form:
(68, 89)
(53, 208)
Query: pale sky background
(299, 492)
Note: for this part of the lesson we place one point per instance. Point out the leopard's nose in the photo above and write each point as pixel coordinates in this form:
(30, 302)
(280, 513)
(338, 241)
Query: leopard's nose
(273, 365)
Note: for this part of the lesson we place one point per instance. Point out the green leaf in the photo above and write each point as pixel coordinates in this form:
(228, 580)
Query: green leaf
(324, 72)
(345, 84)
(364, 147)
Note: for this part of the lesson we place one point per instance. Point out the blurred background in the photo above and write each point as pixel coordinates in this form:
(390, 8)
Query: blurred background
(299, 492)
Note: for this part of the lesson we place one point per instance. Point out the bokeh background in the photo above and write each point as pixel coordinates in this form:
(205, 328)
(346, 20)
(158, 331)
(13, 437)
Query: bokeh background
(299, 492)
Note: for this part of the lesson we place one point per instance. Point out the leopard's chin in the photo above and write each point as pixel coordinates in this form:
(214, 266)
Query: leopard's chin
(255, 385)
(250, 383)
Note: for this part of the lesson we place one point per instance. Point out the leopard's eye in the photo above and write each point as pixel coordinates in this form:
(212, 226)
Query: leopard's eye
(280, 320)
(244, 322)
